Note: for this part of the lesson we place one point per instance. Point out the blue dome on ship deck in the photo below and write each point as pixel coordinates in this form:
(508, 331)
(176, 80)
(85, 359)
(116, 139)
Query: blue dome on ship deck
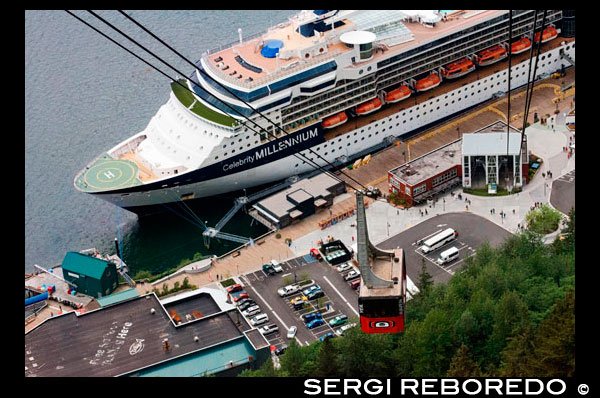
(271, 49)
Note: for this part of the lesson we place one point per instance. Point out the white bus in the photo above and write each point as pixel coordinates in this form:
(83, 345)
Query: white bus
(448, 255)
(439, 240)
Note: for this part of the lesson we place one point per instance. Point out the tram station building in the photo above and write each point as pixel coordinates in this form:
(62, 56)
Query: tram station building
(478, 160)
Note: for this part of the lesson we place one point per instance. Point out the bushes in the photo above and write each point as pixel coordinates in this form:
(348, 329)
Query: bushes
(543, 220)
(396, 200)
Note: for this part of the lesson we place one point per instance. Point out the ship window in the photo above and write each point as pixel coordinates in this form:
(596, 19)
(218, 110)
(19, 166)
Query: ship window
(225, 154)
(296, 165)
(348, 144)
(369, 135)
(397, 124)
(216, 157)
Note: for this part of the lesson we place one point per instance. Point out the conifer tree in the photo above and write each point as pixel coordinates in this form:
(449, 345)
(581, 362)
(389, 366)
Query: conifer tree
(463, 364)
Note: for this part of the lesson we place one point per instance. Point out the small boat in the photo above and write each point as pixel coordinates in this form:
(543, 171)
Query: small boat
(520, 45)
(549, 33)
(428, 82)
(458, 68)
(335, 120)
(369, 106)
(398, 94)
(491, 55)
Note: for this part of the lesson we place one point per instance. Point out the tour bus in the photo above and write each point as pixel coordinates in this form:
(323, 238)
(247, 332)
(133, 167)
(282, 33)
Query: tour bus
(439, 240)
(448, 255)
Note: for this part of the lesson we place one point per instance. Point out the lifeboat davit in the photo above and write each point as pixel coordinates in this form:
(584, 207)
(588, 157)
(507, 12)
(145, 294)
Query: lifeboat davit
(549, 33)
(335, 120)
(491, 55)
(428, 82)
(458, 68)
(369, 106)
(520, 45)
(398, 94)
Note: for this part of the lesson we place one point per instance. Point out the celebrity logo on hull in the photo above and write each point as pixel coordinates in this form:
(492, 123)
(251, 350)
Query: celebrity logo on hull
(273, 148)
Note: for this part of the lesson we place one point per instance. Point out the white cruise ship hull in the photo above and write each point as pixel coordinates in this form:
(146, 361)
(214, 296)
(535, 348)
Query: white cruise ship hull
(368, 137)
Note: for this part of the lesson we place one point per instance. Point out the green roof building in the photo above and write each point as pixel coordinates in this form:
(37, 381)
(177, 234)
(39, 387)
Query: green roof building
(92, 276)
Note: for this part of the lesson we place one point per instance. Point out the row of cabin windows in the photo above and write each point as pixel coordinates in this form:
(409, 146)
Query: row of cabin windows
(437, 100)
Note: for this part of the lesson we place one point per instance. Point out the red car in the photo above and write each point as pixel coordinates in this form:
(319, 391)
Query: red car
(235, 288)
(241, 296)
(315, 253)
(355, 284)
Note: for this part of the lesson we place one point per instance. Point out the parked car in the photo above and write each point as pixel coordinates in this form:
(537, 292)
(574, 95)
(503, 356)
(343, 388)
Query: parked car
(268, 268)
(352, 275)
(308, 290)
(315, 294)
(287, 290)
(327, 336)
(241, 296)
(255, 309)
(343, 267)
(292, 332)
(315, 322)
(276, 266)
(340, 331)
(298, 299)
(338, 320)
(235, 288)
(315, 253)
(309, 317)
(259, 319)
(242, 302)
(268, 329)
(247, 304)
(355, 284)
(280, 350)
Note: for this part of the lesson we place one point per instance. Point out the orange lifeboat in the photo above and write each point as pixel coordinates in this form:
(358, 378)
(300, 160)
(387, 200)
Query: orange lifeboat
(520, 45)
(335, 120)
(550, 33)
(369, 106)
(428, 82)
(491, 55)
(398, 94)
(458, 68)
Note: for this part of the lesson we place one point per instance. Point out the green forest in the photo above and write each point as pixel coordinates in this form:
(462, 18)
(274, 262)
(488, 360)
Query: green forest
(508, 312)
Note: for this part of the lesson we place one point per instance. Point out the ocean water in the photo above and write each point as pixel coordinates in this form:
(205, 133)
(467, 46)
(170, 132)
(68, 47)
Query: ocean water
(83, 95)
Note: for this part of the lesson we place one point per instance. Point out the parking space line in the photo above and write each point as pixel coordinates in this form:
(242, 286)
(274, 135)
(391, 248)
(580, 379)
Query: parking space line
(436, 264)
(340, 294)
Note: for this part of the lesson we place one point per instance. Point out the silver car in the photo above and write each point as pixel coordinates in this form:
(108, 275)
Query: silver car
(292, 332)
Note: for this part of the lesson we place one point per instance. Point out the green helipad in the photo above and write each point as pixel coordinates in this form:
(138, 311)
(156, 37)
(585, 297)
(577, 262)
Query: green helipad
(108, 174)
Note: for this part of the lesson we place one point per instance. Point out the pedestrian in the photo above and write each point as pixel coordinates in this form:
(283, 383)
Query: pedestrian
(467, 208)
(544, 175)
(519, 226)
(425, 211)
(469, 201)
(397, 212)
(217, 276)
(513, 211)
(491, 211)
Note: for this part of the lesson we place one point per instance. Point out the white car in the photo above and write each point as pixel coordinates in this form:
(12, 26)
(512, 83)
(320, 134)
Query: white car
(292, 332)
(255, 309)
(341, 330)
(343, 267)
(259, 319)
(268, 329)
(352, 275)
(276, 266)
(287, 290)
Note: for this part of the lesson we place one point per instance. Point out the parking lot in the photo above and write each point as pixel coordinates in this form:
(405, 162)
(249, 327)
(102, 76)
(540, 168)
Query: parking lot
(472, 231)
(339, 298)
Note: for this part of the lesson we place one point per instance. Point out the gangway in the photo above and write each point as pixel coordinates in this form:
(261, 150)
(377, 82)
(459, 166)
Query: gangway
(54, 275)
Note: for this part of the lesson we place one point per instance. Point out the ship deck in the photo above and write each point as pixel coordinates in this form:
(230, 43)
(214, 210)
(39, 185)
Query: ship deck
(107, 173)
(446, 86)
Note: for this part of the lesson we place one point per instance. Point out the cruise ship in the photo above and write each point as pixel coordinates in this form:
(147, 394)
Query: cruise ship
(337, 83)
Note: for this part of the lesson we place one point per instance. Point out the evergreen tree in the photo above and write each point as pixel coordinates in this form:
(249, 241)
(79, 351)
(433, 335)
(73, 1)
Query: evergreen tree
(292, 361)
(463, 364)
(425, 281)
(327, 365)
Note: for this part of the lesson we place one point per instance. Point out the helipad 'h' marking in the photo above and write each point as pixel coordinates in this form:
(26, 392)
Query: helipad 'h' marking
(109, 174)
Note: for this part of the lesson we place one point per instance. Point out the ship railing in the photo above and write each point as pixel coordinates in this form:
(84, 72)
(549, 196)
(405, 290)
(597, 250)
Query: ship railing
(270, 76)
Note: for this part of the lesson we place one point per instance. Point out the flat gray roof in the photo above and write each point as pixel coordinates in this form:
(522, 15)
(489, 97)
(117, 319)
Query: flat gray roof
(430, 164)
(316, 186)
(491, 144)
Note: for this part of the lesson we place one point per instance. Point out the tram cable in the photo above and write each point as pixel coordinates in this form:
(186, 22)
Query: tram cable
(204, 74)
(305, 160)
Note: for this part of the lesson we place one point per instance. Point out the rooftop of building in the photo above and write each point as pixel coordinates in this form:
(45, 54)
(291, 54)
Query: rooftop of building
(316, 187)
(128, 336)
(84, 264)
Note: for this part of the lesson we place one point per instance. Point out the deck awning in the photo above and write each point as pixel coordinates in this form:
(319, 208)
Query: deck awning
(295, 214)
(320, 202)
